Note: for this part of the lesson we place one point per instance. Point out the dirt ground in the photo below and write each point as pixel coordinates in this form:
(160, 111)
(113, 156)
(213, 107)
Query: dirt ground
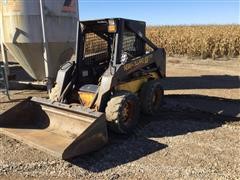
(182, 142)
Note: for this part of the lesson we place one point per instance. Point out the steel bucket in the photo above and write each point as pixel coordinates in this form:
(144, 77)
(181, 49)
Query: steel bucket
(62, 130)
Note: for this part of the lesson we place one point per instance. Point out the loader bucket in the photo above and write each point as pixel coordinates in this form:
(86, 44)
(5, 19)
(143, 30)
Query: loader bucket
(62, 130)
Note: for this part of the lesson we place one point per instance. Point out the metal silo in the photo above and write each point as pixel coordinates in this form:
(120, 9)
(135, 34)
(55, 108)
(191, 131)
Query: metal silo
(24, 30)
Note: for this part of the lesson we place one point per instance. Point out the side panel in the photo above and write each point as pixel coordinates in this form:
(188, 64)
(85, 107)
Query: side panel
(134, 86)
(158, 58)
(106, 85)
(64, 76)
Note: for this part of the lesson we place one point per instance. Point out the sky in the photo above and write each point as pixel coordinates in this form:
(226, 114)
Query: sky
(164, 12)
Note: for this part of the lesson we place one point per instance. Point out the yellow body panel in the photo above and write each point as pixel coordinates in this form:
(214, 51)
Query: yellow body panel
(135, 85)
(86, 98)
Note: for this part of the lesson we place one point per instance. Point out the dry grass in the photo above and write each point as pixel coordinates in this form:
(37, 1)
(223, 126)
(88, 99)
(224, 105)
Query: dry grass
(210, 41)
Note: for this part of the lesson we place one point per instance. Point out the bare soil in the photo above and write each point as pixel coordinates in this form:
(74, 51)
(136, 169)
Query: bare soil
(179, 143)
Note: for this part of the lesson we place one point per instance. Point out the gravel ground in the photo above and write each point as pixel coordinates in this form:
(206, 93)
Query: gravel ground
(179, 143)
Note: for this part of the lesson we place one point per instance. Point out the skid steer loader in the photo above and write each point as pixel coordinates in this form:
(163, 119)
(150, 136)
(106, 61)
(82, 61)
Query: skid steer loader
(113, 77)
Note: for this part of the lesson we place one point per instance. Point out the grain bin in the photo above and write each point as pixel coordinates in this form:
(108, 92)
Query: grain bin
(23, 33)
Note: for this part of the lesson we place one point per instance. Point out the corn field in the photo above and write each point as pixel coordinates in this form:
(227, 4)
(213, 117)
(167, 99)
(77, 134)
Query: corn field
(210, 41)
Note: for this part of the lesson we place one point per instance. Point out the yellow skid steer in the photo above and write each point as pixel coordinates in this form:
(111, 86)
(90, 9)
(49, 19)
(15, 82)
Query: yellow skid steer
(114, 77)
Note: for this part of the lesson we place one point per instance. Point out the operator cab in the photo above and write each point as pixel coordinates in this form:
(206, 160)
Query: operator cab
(104, 45)
(107, 43)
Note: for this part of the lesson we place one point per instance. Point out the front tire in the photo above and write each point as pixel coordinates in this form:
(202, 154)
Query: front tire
(122, 112)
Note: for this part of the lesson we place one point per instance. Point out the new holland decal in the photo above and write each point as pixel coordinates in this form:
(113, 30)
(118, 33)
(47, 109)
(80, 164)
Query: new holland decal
(138, 62)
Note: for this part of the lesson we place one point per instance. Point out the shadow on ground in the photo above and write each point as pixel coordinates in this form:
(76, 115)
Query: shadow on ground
(201, 82)
(168, 123)
(215, 105)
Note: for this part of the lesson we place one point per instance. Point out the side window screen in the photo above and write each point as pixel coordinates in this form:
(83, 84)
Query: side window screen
(133, 46)
(96, 48)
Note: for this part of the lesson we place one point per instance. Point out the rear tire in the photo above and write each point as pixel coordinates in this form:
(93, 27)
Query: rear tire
(122, 112)
(151, 97)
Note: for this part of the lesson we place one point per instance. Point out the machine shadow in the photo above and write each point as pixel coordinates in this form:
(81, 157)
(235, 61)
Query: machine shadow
(215, 105)
(167, 123)
(24, 115)
(229, 107)
(201, 82)
(175, 122)
(119, 151)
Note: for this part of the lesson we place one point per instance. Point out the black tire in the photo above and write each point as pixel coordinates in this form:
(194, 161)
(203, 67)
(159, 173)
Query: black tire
(151, 97)
(122, 112)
